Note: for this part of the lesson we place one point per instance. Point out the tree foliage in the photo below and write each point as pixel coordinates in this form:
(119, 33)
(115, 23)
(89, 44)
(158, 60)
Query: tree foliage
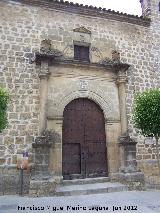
(146, 113)
(4, 98)
(146, 116)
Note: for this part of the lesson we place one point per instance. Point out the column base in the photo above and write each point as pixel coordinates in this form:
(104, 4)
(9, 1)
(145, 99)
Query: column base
(134, 180)
(42, 187)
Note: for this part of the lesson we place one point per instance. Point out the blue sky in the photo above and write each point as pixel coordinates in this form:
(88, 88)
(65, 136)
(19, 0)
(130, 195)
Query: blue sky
(126, 6)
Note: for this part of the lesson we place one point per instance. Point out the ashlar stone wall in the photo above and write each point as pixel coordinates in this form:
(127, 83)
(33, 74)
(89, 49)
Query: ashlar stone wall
(23, 27)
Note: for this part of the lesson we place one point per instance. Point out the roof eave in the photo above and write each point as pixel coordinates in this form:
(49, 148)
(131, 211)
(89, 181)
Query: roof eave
(88, 11)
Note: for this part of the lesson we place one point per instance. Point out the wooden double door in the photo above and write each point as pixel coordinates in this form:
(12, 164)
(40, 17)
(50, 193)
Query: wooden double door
(84, 152)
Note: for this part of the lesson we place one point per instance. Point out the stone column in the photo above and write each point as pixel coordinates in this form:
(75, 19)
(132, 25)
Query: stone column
(126, 143)
(121, 80)
(128, 172)
(43, 75)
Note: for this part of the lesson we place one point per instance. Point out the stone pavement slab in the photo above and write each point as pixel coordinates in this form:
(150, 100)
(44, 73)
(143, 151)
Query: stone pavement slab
(86, 189)
(121, 202)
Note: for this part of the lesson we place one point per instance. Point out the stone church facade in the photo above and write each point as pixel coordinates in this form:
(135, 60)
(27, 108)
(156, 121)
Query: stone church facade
(72, 72)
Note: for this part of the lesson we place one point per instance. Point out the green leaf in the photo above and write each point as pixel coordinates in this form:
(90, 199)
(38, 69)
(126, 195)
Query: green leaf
(146, 112)
(4, 98)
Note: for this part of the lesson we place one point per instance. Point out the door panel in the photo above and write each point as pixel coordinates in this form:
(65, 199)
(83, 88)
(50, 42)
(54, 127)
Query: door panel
(84, 140)
(96, 161)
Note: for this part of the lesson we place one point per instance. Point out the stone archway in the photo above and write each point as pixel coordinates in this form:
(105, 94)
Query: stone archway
(110, 109)
(104, 101)
(84, 150)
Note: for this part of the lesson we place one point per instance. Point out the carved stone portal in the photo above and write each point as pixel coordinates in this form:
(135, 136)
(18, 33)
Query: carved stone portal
(61, 81)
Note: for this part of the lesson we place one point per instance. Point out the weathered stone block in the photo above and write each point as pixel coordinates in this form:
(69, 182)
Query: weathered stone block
(42, 187)
(8, 140)
(134, 181)
(19, 140)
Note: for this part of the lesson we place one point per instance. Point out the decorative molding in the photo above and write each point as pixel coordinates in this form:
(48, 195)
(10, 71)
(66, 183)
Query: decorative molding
(51, 52)
(106, 62)
(60, 118)
(68, 49)
(119, 66)
(112, 121)
(105, 102)
(82, 30)
(47, 49)
(46, 53)
(96, 52)
(126, 140)
(51, 55)
(115, 62)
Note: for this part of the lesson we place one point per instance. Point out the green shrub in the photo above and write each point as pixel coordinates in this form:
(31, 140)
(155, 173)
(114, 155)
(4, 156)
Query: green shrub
(4, 98)
(146, 115)
(146, 112)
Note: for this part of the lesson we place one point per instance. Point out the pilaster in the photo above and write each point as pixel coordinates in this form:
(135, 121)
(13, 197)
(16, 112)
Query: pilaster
(121, 81)
(43, 75)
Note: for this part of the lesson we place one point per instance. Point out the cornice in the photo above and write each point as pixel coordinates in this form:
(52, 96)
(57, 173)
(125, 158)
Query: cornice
(87, 11)
(53, 58)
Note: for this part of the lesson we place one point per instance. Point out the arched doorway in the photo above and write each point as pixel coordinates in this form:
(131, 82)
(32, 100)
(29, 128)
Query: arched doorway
(84, 151)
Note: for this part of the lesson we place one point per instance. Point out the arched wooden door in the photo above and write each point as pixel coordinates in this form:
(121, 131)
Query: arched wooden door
(84, 151)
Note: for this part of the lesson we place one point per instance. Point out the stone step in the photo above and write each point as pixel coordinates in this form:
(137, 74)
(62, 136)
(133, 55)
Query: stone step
(85, 181)
(86, 189)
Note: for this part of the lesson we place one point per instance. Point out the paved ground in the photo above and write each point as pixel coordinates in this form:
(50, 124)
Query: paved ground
(137, 202)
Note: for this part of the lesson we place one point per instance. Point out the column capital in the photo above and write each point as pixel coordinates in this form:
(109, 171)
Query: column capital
(125, 139)
(121, 77)
(44, 70)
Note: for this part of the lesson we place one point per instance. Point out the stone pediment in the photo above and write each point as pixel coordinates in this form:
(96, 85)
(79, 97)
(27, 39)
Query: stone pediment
(82, 30)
